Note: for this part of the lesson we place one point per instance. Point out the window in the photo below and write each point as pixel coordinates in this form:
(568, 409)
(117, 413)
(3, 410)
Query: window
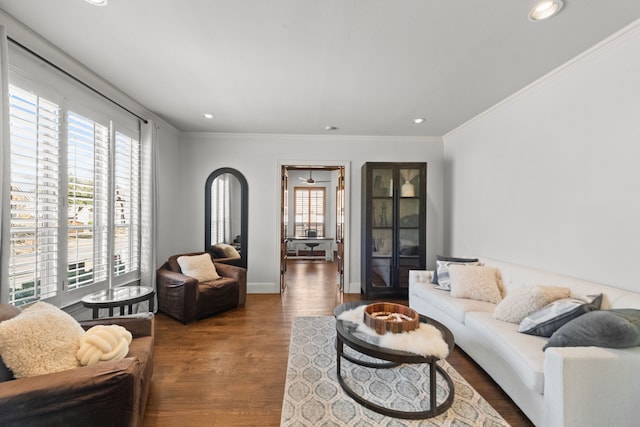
(309, 210)
(220, 207)
(75, 195)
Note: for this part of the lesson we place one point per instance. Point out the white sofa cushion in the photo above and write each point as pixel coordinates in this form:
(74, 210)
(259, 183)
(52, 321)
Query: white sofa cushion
(522, 352)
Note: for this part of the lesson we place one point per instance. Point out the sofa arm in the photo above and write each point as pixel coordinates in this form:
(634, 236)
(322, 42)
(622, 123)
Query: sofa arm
(105, 394)
(177, 294)
(140, 325)
(236, 273)
(591, 386)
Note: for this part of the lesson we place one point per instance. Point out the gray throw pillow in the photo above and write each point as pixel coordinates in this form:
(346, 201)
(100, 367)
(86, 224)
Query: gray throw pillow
(551, 317)
(618, 328)
(434, 279)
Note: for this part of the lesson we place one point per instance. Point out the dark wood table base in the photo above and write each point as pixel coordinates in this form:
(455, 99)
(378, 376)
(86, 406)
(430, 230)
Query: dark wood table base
(389, 359)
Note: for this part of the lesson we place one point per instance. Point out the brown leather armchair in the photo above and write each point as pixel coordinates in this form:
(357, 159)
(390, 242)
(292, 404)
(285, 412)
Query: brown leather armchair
(110, 393)
(185, 299)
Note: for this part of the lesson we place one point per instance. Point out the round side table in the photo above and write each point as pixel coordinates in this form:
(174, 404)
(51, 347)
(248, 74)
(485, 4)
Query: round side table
(119, 297)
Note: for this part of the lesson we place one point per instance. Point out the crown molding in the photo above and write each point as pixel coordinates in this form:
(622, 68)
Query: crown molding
(297, 137)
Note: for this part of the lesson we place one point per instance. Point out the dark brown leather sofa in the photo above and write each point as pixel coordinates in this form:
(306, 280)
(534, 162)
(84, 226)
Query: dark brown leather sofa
(106, 394)
(185, 299)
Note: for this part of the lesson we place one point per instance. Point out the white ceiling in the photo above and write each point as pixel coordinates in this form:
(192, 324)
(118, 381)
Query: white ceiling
(367, 67)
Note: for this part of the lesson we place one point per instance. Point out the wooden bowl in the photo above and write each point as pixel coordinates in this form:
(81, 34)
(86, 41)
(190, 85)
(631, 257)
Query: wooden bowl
(386, 317)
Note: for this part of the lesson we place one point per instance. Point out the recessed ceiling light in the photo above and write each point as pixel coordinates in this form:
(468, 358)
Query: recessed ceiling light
(330, 128)
(97, 2)
(545, 9)
(419, 120)
(207, 116)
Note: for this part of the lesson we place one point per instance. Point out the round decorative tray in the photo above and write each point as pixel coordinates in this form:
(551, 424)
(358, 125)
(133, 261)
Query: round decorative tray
(389, 317)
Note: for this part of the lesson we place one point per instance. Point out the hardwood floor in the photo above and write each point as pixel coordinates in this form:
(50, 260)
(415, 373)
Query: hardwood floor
(229, 370)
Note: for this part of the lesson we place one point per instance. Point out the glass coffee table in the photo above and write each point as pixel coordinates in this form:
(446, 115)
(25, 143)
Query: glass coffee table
(119, 297)
(386, 358)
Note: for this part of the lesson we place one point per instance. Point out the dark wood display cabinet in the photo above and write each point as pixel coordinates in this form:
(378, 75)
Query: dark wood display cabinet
(393, 237)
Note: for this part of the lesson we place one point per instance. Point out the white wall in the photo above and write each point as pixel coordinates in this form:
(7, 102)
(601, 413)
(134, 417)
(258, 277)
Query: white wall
(550, 177)
(258, 157)
(169, 213)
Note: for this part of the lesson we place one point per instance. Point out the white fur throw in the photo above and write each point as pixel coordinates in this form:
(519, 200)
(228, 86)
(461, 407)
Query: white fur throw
(198, 266)
(521, 302)
(102, 343)
(40, 340)
(426, 340)
(474, 282)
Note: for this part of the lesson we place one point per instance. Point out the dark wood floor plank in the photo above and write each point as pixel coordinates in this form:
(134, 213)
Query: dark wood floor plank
(230, 369)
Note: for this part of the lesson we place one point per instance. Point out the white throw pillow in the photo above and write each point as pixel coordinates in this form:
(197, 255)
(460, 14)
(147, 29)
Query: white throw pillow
(40, 340)
(442, 271)
(479, 283)
(199, 267)
(521, 302)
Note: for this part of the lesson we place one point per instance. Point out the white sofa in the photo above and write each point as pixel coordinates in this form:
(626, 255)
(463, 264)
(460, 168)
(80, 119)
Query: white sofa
(561, 386)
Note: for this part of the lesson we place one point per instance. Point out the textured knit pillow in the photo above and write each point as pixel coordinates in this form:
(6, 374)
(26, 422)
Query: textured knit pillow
(199, 267)
(550, 318)
(475, 282)
(521, 302)
(102, 343)
(619, 328)
(40, 340)
(441, 275)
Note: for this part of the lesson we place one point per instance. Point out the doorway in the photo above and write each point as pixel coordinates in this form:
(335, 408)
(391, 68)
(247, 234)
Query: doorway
(313, 222)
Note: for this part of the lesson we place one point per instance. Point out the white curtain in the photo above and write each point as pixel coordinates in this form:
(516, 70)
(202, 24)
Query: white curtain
(149, 203)
(5, 190)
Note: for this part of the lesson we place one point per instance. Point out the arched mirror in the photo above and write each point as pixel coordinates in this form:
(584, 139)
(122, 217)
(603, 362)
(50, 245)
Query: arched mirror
(226, 197)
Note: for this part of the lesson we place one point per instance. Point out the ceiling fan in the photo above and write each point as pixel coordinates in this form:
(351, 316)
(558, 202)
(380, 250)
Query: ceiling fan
(310, 180)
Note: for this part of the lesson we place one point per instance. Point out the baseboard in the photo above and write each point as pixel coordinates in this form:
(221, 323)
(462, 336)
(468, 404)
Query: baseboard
(262, 288)
(352, 288)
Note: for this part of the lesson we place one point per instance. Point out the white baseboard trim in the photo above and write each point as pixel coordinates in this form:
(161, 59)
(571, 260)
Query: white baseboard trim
(262, 288)
(352, 288)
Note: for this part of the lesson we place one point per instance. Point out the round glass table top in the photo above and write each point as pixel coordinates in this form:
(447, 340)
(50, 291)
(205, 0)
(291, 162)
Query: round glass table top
(120, 294)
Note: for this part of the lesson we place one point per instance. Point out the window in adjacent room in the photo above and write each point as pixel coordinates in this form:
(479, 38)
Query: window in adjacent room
(309, 210)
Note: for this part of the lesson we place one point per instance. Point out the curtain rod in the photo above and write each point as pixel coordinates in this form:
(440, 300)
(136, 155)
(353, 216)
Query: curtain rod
(77, 80)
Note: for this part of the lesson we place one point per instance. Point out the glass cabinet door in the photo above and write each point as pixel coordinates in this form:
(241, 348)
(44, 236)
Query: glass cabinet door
(381, 220)
(408, 224)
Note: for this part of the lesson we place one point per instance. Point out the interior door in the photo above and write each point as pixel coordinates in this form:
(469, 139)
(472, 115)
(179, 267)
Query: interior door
(284, 220)
(340, 203)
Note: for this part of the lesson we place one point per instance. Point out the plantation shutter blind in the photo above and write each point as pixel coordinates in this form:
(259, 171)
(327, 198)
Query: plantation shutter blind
(126, 218)
(220, 228)
(316, 211)
(33, 247)
(88, 193)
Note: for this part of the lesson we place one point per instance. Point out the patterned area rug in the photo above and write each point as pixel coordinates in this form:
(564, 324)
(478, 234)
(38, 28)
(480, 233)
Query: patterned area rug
(313, 397)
